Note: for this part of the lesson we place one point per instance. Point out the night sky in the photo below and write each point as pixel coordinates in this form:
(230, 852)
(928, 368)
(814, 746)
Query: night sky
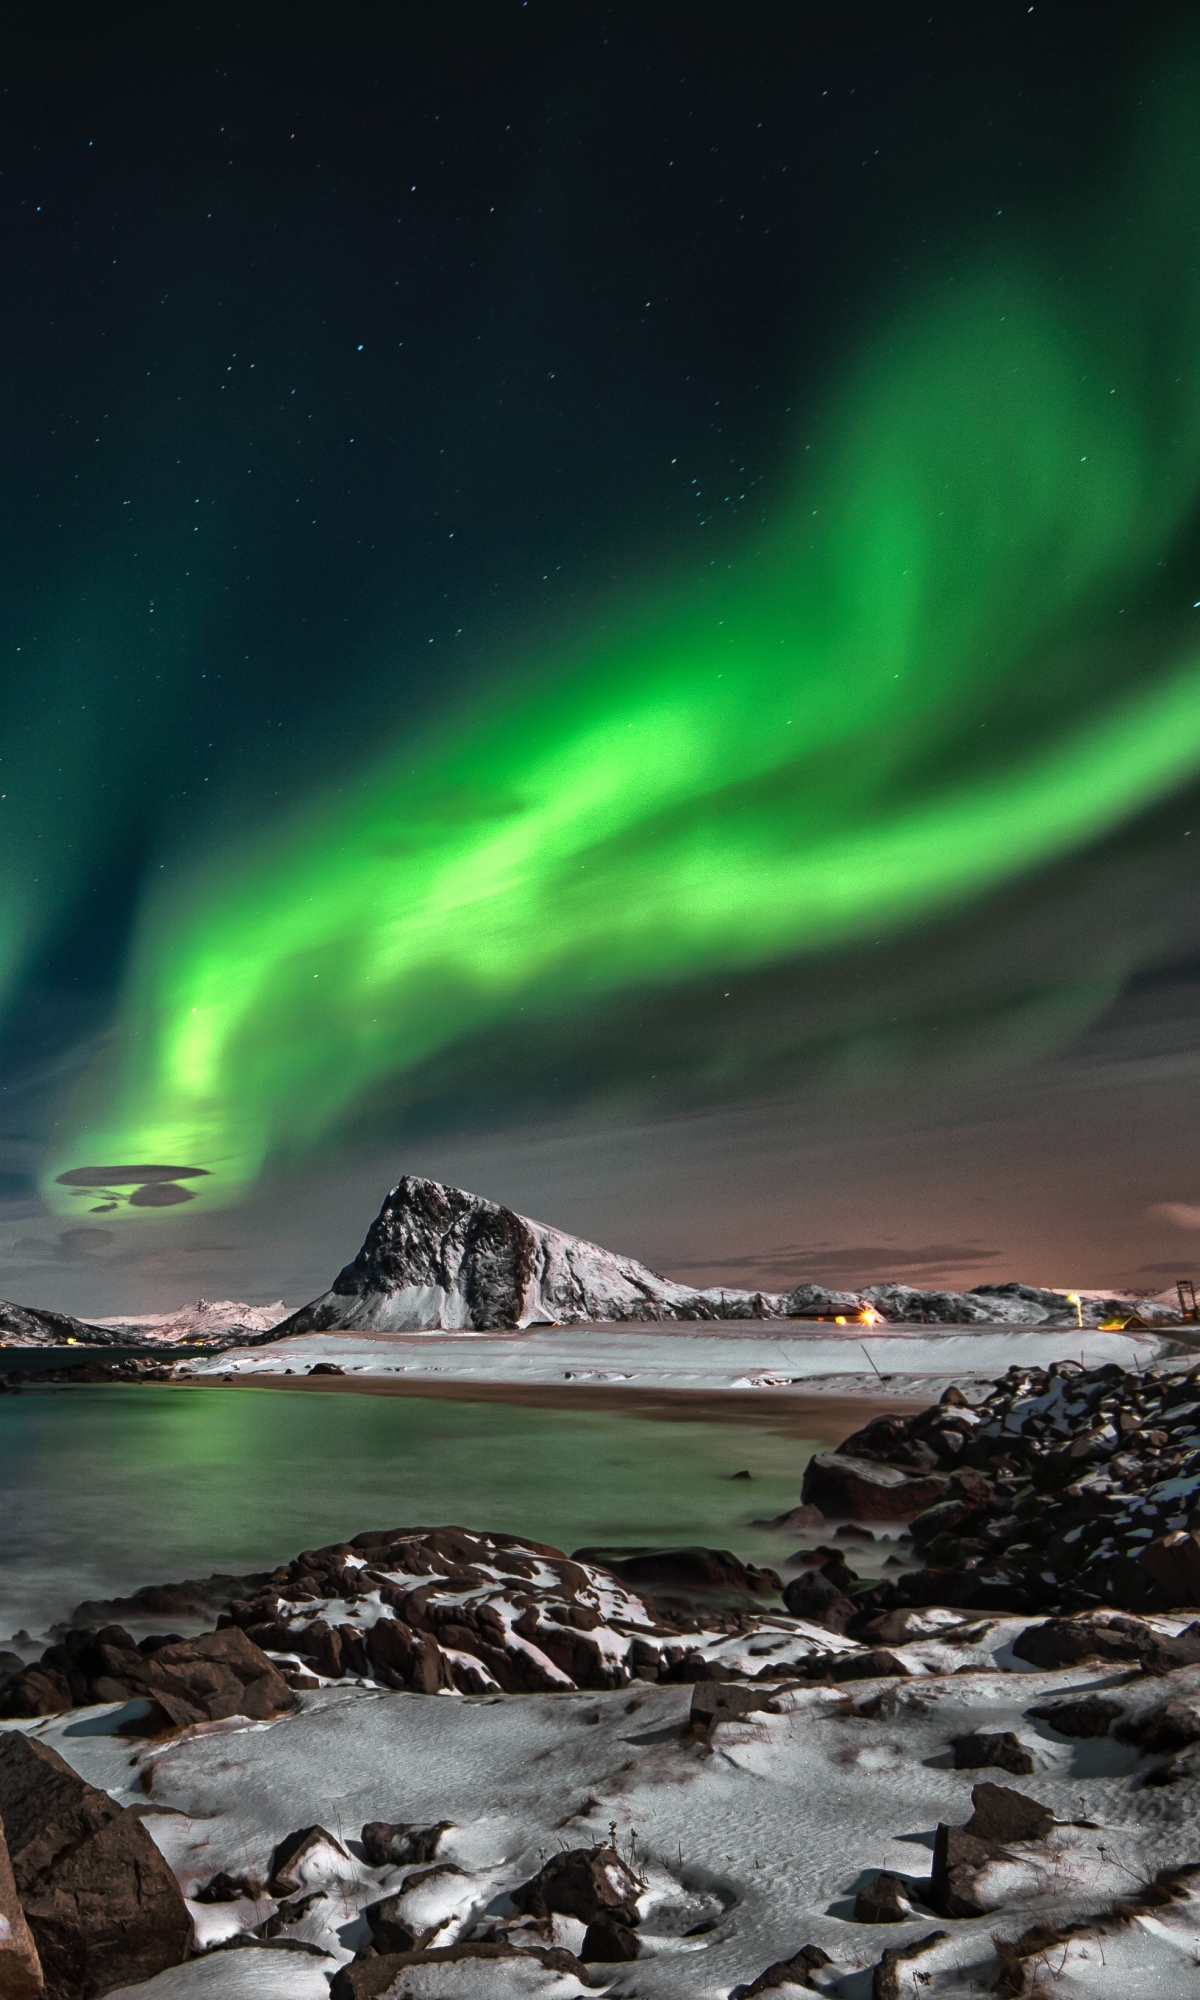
(600, 602)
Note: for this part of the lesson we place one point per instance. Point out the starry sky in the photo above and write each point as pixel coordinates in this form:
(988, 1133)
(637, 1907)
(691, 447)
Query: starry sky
(600, 602)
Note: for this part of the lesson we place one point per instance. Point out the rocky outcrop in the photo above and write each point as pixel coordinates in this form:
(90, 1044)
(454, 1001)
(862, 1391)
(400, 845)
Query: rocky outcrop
(30, 1326)
(1061, 1490)
(102, 1905)
(437, 1256)
(184, 1680)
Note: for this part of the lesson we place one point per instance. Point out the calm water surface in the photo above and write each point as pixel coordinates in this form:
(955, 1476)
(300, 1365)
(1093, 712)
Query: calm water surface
(103, 1489)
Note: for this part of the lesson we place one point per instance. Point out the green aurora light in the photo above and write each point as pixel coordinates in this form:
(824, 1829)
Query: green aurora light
(936, 671)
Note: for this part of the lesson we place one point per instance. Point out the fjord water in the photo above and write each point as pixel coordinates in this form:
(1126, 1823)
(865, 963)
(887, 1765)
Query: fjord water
(104, 1489)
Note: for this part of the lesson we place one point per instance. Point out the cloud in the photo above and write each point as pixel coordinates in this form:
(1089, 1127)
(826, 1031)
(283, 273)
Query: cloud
(70, 1246)
(798, 1262)
(1184, 1215)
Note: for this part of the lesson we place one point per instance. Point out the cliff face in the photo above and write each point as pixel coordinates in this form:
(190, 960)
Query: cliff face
(438, 1257)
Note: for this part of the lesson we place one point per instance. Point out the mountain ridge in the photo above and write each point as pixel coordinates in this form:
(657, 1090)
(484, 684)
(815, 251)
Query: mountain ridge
(438, 1257)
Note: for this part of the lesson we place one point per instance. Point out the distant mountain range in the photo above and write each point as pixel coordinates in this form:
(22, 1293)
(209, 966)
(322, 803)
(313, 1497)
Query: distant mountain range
(436, 1256)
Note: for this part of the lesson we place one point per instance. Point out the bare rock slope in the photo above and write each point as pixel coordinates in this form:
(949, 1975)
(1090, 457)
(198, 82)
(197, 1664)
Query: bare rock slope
(436, 1256)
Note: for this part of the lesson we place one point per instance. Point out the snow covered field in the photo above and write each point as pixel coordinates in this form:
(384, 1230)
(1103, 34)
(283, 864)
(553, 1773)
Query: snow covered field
(752, 1840)
(710, 1356)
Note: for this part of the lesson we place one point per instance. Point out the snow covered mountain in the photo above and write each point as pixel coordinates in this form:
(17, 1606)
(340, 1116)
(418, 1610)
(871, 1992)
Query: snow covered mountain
(438, 1257)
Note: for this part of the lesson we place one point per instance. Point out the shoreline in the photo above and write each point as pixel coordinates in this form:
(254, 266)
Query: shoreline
(826, 1418)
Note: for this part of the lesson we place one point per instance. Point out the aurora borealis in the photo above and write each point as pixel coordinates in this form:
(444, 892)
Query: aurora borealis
(788, 758)
(490, 656)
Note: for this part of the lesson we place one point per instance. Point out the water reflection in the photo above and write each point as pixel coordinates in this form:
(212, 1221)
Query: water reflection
(104, 1489)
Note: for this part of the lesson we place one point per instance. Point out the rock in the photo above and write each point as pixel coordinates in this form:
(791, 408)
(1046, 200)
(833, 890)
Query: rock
(876, 1663)
(188, 1680)
(20, 1966)
(392, 1843)
(815, 1597)
(608, 1943)
(389, 1932)
(1174, 1561)
(960, 1853)
(1067, 1642)
(384, 1978)
(1090, 1716)
(226, 1888)
(1165, 1730)
(36, 1691)
(216, 1675)
(859, 1489)
(886, 1978)
(591, 1883)
(686, 1572)
(304, 1860)
(326, 1368)
(883, 1901)
(999, 1747)
(726, 1701)
(1003, 1815)
(958, 1857)
(795, 1971)
(807, 1520)
(102, 1905)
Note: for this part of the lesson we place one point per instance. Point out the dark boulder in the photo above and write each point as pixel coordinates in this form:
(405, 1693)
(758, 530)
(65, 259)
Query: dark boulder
(225, 1888)
(860, 1489)
(1165, 1730)
(1090, 1716)
(887, 1978)
(1002, 1814)
(36, 1691)
(1067, 1642)
(590, 1883)
(684, 1572)
(874, 1664)
(726, 1701)
(960, 1853)
(609, 1942)
(815, 1597)
(1000, 1747)
(882, 1901)
(389, 1931)
(392, 1843)
(102, 1905)
(958, 1857)
(796, 1971)
(20, 1966)
(384, 1978)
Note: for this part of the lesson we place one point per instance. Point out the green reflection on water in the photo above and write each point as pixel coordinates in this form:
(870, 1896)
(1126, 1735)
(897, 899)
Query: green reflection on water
(105, 1489)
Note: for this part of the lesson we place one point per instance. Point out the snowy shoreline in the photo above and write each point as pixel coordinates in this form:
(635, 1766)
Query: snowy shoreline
(725, 1358)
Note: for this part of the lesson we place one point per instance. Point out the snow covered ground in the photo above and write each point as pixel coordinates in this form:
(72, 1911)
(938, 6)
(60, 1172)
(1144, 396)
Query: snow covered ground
(752, 1840)
(711, 1356)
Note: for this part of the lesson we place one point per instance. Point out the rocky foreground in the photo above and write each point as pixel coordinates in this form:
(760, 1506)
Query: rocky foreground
(665, 1773)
